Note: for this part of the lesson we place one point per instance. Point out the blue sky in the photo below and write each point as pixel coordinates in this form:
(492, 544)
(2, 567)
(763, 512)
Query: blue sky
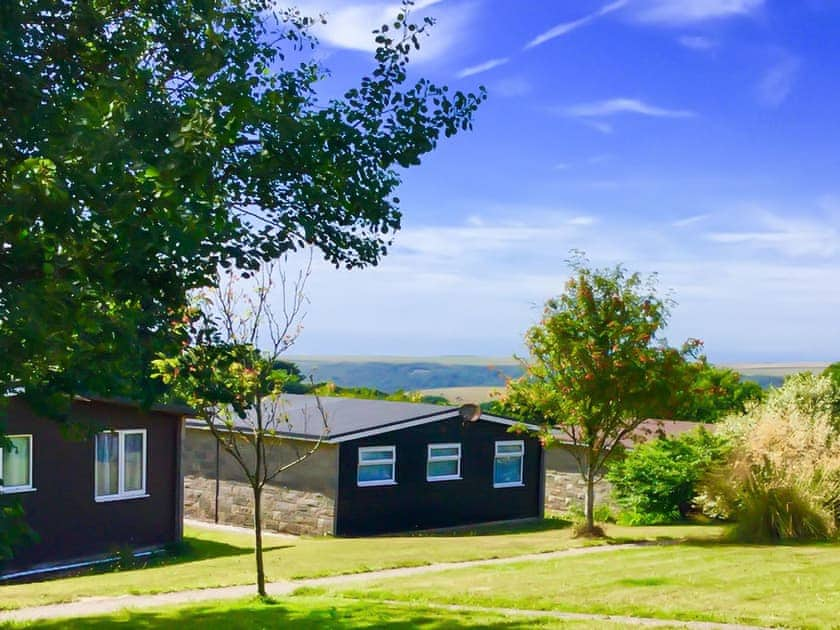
(699, 139)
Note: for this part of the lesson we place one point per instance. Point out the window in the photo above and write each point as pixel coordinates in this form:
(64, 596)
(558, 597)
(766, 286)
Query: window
(376, 466)
(16, 464)
(444, 462)
(120, 465)
(507, 464)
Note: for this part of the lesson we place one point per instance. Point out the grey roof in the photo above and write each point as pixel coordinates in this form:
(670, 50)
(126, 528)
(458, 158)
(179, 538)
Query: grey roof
(298, 415)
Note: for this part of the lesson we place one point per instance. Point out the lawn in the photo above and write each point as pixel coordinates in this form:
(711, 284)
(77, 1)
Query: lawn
(315, 613)
(224, 558)
(792, 586)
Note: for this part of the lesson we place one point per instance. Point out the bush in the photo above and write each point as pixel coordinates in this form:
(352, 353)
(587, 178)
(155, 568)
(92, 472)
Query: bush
(657, 481)
(782, 480)
(14, 531)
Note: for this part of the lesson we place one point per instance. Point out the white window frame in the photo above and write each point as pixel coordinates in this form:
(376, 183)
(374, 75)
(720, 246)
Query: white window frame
(392, 461)
(496, 455)
(443, 458)
(121, 494)
(25, 488)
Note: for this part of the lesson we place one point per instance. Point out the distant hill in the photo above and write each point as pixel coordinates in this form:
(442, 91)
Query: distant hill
(407, 375)
(390, 374)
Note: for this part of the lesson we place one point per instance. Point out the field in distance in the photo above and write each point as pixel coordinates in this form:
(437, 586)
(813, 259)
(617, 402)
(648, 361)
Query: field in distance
(461, 395)
(471, 378)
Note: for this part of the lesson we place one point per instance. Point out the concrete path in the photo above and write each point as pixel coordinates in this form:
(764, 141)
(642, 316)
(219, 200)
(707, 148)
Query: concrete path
(93, 606)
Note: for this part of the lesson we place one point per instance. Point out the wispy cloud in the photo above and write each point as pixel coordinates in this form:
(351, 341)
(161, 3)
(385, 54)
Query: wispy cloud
(791, 237)
(697, 42)
(697, 218)
(510, 87)
(567, 27)
(681, 12)
(614, 106)
(350, 25)
(777, 82)
(482, 67)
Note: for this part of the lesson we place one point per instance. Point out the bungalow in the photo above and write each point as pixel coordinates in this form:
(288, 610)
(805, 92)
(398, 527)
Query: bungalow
(384, 467)
(117, 485)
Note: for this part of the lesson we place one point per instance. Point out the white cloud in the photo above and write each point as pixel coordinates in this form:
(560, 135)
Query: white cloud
(681, 12)
(566, 27)
(792, 237)
(475, 287)
(482, 67)
(510, 87)
(613, 106)
(697, 218)
(600, 126)
(697, 42)
(778, 80)
(350, 25)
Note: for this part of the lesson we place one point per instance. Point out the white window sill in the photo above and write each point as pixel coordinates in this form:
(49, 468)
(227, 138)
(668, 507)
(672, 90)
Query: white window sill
(447, 478)
(368, 484)
(517, 484)
(119, 497)
(17, 490)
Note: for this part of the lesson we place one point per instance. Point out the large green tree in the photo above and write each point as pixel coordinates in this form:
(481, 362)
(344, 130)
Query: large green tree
(597, 367)
(143, 144)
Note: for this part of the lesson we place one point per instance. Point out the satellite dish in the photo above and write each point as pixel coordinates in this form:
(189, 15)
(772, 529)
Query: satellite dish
(470, 412)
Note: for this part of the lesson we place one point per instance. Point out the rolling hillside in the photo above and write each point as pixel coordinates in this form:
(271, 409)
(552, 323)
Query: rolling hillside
(469, 378)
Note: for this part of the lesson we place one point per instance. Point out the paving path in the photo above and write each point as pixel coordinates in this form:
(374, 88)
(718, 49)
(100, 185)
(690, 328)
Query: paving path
(92, 606)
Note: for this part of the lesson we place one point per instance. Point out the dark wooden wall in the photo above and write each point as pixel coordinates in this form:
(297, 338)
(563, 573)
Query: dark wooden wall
(63, 511)
(414, 503)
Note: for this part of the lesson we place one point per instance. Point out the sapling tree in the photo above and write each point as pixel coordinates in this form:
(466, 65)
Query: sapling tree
(231, 373)
(597, 367)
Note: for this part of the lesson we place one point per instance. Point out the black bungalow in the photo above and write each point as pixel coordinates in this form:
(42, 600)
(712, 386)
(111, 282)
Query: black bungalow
(391, 467)
(114, 485)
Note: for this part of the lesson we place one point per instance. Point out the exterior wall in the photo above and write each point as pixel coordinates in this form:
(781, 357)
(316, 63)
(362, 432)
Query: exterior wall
(415, 503)
(62, 510)
(301, 500)
(564, 487)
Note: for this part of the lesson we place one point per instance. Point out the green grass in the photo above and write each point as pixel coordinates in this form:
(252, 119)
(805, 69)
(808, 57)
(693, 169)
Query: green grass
(792, 586)
(224, 558)
(304, 613)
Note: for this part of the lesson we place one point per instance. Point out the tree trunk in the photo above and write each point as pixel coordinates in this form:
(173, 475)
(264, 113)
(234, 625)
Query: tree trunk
(258, 549)
(589, 503)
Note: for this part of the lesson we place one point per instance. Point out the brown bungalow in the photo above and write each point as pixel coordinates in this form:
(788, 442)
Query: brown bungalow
(117, 486)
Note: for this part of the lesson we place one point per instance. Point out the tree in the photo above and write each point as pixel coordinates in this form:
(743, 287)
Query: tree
(145, 144)
(597, 367)
(231, 375)
(716, 393)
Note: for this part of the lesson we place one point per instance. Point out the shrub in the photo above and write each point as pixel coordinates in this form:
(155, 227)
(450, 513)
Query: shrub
(782, 481)
(657, 481)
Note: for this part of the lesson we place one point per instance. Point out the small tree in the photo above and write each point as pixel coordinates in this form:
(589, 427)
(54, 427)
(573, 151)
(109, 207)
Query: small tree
(232, 375)
(597, 368)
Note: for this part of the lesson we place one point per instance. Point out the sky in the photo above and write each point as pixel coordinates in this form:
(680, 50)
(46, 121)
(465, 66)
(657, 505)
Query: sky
(698, 139)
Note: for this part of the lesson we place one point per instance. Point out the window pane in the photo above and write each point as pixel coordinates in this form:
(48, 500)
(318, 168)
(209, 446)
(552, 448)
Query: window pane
(372, 456)
(16, 462)
(509, 448)
(376, 472)
(133, 473)
(443, 451)
(107, 464)
(507, 470)
(443, 469)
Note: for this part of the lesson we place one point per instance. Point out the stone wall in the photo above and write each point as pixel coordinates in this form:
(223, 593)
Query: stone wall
(564, 487)
(300, 501)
